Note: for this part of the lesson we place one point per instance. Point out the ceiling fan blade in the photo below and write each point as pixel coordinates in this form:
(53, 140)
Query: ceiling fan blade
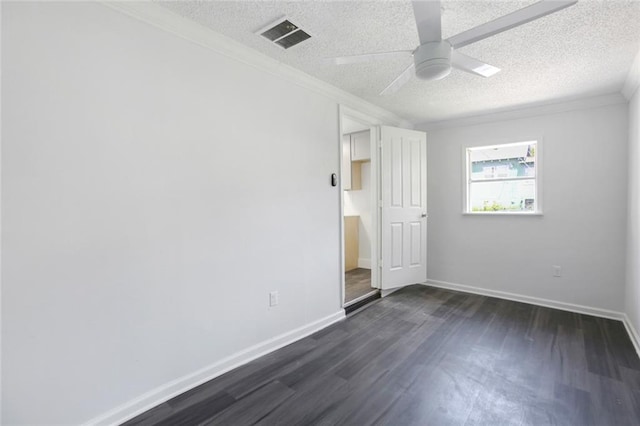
(471, 65)
(428, 16)
(504, 23)
(370, 57)
(400, 81)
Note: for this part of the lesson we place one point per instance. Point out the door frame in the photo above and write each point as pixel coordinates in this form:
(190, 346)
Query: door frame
(374, 129)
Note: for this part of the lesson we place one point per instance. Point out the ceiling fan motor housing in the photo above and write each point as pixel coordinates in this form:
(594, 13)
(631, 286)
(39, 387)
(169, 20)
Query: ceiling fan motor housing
(433, 60)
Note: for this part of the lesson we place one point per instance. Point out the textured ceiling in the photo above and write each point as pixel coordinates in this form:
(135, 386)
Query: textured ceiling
(584, 50)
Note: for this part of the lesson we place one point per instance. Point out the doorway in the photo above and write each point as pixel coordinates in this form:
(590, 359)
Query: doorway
(383, 205)
(359, 193)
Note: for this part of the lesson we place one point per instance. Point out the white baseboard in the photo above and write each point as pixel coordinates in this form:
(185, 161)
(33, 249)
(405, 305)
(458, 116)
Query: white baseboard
(364, 263)
(580, 309)
(176, 387)
(633, 334)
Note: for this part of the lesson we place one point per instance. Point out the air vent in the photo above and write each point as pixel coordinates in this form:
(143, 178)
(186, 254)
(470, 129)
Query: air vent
(284, 33)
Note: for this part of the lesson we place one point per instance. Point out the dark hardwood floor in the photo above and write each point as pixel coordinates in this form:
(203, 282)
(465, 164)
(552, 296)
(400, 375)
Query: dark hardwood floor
(426, 356)
(357, 282)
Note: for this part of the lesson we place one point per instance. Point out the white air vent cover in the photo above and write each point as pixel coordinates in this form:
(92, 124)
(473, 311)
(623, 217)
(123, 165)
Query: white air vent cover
(284, 33)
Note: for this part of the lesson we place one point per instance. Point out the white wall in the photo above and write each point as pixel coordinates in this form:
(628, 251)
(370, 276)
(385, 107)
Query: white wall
(632, 296)
(358, 203)
(153, 193)
(583, 226)
(349, 125)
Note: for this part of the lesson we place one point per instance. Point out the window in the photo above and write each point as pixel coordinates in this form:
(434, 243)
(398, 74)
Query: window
(503, 178)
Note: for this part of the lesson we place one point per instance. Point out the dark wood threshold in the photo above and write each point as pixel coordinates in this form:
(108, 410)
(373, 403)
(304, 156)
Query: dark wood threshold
(352, 307)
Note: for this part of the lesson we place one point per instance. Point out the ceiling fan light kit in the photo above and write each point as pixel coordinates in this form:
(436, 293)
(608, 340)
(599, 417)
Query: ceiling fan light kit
(434, 58)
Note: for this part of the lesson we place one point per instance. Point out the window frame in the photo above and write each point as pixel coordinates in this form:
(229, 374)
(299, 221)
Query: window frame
(467, 181)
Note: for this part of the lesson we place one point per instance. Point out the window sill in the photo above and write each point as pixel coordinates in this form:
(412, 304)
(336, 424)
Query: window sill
(501, 214)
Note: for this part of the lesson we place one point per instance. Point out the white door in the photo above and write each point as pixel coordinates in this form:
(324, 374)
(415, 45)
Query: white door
(404, 207)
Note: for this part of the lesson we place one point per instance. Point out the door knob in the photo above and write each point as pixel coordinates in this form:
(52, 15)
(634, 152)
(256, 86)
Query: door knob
(423, 215)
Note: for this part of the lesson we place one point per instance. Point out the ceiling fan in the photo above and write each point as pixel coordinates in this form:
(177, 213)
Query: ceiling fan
(434, 57)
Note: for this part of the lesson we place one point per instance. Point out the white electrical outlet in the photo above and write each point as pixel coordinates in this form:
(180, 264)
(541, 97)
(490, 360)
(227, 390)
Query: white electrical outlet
(273, 298)
(557, 271)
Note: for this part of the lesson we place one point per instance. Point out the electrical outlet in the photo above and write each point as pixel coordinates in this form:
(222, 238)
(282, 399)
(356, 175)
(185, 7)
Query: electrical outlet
(274, 298)
(557, 271)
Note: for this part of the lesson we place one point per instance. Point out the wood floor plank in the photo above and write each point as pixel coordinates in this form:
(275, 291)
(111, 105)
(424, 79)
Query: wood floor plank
(428, 356)
(200, 411)
(325, 390)
(253, 407)
(357, 282)
(265, 375)
(573, 405)
(442, 394)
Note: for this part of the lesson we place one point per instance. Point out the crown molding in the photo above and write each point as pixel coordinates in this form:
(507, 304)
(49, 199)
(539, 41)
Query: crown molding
(163, 18)
(532, 110)
(633, 78)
